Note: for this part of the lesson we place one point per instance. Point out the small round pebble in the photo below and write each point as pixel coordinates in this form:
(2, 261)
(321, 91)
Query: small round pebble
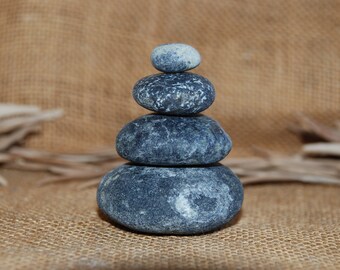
(170, 200)
(176, 93)
(175, 57)
(156, 139)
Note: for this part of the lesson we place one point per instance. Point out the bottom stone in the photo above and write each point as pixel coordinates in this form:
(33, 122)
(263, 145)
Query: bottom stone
(170, 200)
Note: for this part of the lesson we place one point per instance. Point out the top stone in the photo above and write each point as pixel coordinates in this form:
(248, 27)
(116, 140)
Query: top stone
(175, 57)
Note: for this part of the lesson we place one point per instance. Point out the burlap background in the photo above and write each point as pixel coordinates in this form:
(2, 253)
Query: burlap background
(267, 59)
(280, 227)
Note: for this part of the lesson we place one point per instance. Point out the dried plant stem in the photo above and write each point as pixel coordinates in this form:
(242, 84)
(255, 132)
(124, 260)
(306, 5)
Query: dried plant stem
(322, 149)
(24, 121)
(280, 177)
(24, 165)
(307, 125)
(89, 184)
(3, 181)
(96, 173)
(16, 122)
(71, 176)
(5, 158)
(14, 110)
(63, 159)
(16, 136)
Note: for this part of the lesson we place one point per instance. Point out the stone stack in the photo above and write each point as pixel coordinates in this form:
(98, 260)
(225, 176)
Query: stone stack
(173, 184)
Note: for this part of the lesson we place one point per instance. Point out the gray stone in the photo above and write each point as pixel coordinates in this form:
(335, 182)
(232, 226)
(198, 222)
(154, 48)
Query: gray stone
(178, 93)
(175, 57)
(170, 200)
(165, 140)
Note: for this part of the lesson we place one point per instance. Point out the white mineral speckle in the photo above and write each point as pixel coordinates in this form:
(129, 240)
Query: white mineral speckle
(182, 205)
(171, 173)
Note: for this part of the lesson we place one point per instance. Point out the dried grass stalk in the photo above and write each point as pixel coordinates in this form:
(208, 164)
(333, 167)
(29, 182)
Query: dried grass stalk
(307, 125)
(14, 110)
(28, 120)
(64, 159)
(284, 177)
(322, 149)
(16, 122)
(89, 174)
(3, 181)
(4, 158)
(16, 136)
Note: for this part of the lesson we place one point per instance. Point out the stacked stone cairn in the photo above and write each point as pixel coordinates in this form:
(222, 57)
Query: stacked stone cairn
(173, 183)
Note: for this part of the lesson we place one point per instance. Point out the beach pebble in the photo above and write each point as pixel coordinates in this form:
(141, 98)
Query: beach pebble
(156, 139)
(175, 57)
(170, 200)
(177, 93)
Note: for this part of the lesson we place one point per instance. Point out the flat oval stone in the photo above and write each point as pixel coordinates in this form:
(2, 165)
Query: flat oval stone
(155, 139)
(178, 93)
(175, 57)
(170, 200)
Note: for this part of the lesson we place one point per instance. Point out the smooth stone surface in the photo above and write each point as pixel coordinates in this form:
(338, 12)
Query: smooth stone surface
(175, 57)
(173, 140)
(170, 200)
(178, 93)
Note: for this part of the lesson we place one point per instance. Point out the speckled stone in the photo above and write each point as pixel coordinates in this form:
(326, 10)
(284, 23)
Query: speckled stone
(177, 93)
(170, 200)
(165, 140)
(175, 57)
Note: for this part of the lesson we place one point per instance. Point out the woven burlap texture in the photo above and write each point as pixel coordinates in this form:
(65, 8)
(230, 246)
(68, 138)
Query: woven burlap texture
(268, 61)
(58, 227)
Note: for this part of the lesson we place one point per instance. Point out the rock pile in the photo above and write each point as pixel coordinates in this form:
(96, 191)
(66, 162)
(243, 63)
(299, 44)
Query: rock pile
(173, 184)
